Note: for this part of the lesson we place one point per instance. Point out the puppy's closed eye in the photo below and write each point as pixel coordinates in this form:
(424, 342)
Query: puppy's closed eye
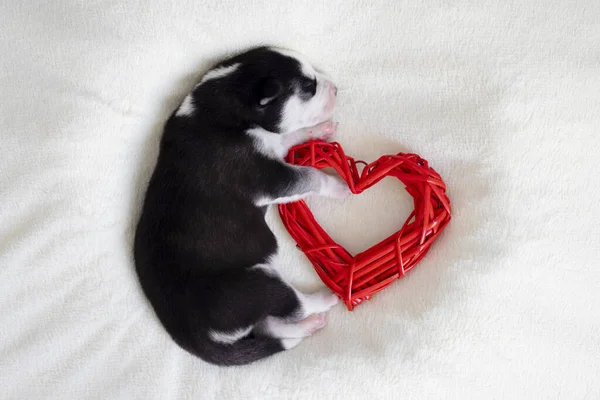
(309, 86)
(267, 91)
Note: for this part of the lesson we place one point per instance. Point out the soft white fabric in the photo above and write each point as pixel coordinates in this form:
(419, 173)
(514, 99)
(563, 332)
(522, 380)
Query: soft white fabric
(503, 99)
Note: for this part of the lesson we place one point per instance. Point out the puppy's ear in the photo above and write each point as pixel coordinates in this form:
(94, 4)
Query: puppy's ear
(267, 90)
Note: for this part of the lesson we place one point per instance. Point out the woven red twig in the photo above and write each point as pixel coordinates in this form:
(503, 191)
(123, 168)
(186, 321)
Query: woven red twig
(357, 278)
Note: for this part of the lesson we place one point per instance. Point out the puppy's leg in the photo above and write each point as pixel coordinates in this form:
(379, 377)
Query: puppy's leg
(318, 302)
(324, 131)
(305, 304)
(306, 320)
(242, 300)
(292, 183)
(280, 328)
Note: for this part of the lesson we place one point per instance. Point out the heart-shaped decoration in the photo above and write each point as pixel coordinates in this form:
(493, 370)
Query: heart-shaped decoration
(356, 278)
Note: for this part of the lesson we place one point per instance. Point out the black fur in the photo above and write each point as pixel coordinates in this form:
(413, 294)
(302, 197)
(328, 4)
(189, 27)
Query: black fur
(200, 232)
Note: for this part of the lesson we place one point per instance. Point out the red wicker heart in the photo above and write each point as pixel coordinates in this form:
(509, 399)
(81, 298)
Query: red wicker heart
(357, 278)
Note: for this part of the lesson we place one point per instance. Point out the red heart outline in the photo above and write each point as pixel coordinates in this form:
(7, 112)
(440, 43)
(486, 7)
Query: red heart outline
(357, 278)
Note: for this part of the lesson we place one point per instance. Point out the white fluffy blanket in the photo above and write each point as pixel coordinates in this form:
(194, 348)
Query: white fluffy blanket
(503, 99)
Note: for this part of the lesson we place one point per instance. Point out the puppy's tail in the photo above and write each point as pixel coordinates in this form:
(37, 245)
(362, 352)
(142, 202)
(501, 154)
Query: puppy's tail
(241, 352)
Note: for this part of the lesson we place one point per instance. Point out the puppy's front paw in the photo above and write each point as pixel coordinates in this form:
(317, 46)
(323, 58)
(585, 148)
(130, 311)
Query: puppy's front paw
(335, 187)
(324, 131)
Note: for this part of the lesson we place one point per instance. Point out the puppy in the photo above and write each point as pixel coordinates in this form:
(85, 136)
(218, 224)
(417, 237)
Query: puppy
(203, 251)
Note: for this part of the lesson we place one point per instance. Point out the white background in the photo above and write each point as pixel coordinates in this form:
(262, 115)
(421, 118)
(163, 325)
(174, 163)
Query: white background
(502, 98)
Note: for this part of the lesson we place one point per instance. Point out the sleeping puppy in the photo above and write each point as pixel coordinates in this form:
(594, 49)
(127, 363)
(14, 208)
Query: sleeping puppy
(203, 250)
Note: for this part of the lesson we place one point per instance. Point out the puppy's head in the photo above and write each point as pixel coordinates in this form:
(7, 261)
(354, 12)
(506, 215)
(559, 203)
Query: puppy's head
(276, 89)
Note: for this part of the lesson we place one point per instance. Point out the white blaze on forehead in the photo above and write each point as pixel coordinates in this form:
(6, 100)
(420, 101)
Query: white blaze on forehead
(186, 108)
(305, 66)
(219, 72)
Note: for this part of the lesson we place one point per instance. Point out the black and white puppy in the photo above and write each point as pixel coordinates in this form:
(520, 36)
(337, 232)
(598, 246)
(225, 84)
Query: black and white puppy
(203, 250)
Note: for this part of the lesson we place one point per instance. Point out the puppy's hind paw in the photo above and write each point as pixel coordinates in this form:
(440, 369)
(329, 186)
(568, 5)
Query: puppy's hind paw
(314, 322)
(290, 343)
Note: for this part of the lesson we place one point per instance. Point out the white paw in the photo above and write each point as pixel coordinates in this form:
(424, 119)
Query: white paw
(320, 301)
(313, 323)
(330, 299)
(334, 187)
(290, 343)
(324, 131)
